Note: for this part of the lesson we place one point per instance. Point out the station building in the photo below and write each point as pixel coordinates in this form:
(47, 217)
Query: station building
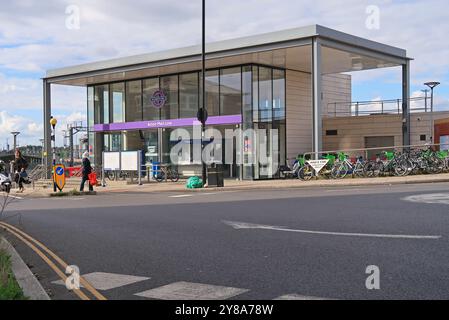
(288, 80)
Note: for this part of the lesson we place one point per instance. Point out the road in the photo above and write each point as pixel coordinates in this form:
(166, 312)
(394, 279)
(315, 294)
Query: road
(261, 244)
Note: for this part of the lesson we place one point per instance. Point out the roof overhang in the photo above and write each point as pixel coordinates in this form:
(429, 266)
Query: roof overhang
(289, 49)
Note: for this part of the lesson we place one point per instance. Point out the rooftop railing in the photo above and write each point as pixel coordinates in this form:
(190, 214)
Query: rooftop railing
(376, 107)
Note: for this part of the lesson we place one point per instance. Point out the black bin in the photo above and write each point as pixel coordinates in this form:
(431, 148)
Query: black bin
(215, 176)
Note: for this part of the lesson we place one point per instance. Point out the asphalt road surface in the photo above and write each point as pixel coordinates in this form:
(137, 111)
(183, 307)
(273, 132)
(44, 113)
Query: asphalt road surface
(262, 244)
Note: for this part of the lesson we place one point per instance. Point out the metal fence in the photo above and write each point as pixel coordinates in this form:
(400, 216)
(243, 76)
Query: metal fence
(364, 152)
(363, 108)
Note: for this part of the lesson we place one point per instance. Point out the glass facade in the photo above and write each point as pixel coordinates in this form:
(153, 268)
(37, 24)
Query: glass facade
(230, 91)
(169, 85)
(257, 93)
(188, 95)
(149, 87)
(118, 102)
(133, 101)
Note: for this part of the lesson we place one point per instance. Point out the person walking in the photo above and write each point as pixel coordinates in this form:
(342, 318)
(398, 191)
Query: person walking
(20, 164)
(86, 170)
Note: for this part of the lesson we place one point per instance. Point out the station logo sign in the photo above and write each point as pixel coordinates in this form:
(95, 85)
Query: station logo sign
(158, 99)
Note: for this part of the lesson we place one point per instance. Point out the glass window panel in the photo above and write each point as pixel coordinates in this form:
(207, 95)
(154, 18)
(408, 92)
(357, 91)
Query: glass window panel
(212, 93)
(118, 102)
(133, 101)
(169, 85)
(106, 142)
(188, 95)
(279, 94)
(230, 91)
(102, 104)
(247, 97)
(255, 94)
(115, 142)
(150, 86)
(265, 94)
(90, 108)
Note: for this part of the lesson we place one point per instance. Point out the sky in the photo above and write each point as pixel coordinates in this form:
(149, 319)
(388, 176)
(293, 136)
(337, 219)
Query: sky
(36, 36)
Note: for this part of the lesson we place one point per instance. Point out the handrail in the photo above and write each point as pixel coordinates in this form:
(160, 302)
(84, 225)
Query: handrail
(365, 150)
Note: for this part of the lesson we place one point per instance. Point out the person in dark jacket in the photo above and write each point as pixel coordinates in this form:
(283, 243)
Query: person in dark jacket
(20, 164)
(86, 170)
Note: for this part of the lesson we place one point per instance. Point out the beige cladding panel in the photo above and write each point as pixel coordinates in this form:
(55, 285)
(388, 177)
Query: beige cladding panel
(353, 130)
(299, 113)
(335, 87)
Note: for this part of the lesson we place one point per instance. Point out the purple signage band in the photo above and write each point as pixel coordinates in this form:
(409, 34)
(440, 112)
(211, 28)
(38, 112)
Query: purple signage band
(172, 123)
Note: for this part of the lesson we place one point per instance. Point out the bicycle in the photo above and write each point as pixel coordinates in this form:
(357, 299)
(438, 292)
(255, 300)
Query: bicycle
(168, 172)
(392, 164)
(344, 166)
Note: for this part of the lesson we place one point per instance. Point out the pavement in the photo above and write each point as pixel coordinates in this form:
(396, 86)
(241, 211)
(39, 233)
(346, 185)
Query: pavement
(235, 185)
(307, 243)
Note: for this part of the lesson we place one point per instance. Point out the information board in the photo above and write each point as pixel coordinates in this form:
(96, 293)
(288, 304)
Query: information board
(111, 160)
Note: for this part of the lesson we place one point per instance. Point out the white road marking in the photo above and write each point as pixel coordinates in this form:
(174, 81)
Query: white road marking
(191, 291)
(244, 225)
(15, 197)
(107, 281)
(441, 198)
(182, 196)
(299, 297)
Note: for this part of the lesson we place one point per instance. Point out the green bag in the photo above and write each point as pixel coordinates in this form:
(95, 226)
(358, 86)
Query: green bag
(194, 183)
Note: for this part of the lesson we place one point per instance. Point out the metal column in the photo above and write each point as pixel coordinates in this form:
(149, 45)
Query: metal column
(47, 126)
(406, 104)
(316, 96)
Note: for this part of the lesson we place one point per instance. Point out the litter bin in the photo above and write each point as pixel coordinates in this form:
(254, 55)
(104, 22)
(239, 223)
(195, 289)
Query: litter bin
(155, 169)
(215, 176)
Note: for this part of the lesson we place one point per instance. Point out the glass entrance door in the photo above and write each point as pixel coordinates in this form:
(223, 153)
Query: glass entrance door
(151, 148)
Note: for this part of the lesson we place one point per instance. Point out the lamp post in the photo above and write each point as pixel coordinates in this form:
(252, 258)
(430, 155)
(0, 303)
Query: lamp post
(431, 85)
(15, 134)
(53, 123)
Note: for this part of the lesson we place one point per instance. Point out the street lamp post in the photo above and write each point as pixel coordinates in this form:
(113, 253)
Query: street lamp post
(53, 123)
(15, 134)
(431, 85)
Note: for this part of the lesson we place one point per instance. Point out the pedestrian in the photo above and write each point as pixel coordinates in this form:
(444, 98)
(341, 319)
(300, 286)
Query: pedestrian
(20, 164)
(86, 170)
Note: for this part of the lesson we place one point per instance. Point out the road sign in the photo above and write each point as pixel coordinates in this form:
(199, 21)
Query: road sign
(318, 165)
(59, 176)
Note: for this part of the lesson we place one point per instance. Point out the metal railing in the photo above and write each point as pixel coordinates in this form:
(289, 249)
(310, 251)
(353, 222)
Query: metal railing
(380, 107)
(365, 151)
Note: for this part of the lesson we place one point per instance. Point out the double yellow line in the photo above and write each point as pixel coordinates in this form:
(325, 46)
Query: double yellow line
(36, 246)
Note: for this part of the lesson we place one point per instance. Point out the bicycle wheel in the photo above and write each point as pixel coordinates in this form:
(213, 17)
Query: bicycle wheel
(372, 169)
(305, 173)
(358, 170)
(160, 176)
(340, 171)
(174, 176)
(400, 168)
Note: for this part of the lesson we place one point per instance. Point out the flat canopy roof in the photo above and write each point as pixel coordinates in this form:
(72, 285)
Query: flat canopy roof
(289, 49)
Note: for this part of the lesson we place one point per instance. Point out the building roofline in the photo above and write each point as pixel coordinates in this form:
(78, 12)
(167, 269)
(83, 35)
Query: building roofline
(254, 41)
